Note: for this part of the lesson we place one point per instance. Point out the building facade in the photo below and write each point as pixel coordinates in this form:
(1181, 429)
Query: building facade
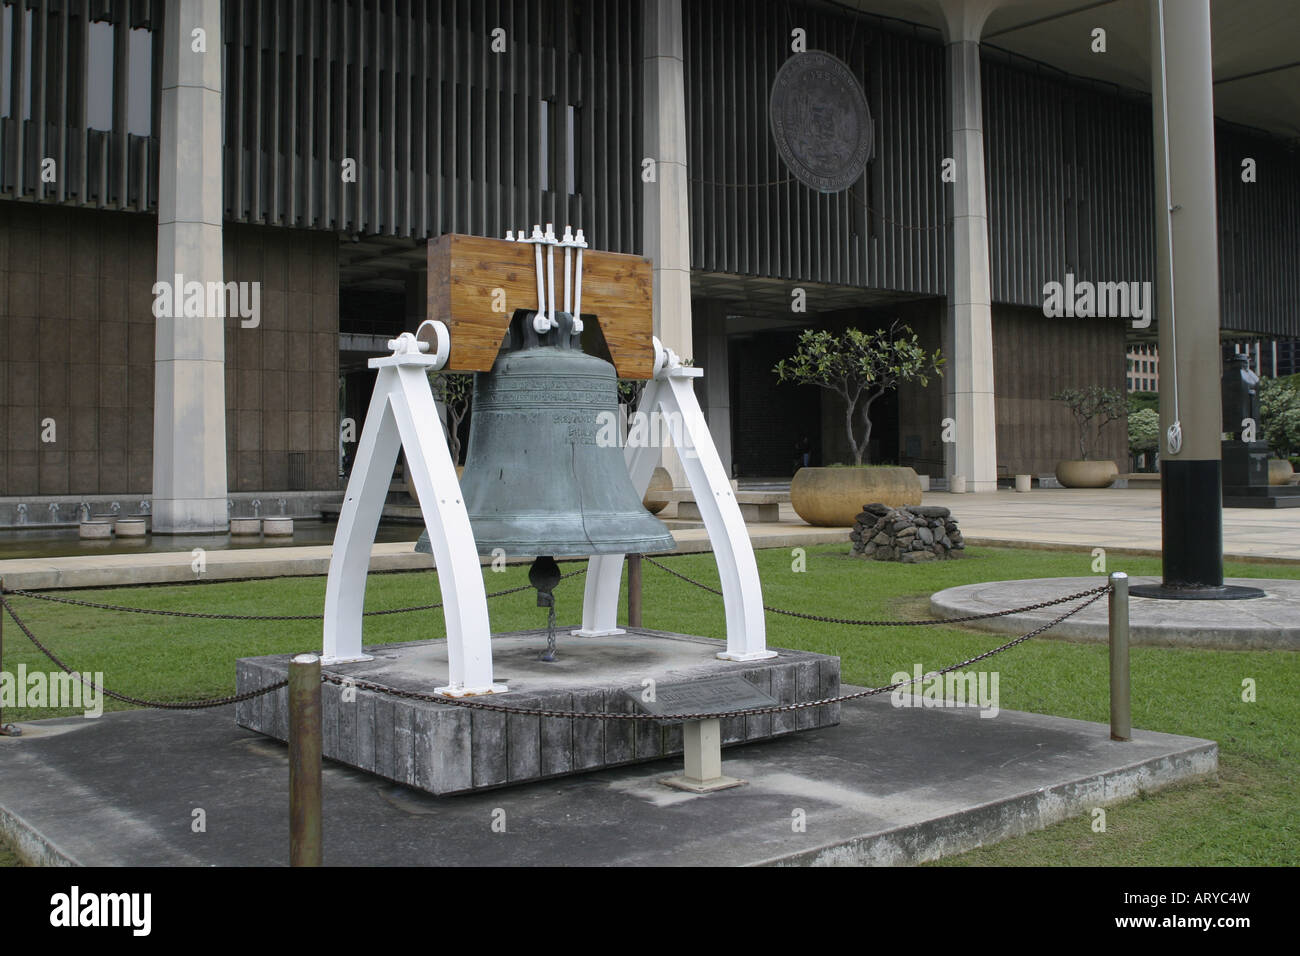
(1143, 368)
(348, 133)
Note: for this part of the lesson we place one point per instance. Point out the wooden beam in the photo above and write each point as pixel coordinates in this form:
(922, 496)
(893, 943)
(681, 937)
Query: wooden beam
(465, 271)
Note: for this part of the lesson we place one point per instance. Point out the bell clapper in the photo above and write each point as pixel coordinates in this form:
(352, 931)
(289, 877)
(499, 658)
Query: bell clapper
(544, 575)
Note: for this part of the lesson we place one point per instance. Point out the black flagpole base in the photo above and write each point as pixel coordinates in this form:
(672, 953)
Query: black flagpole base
(1191, 519)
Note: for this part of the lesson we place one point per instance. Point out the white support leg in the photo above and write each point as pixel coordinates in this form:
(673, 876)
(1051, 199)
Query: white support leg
(605, 571)
(742, 594)
(363, 505)
(671, 393)
(469, 636)
(402, 415)
(600, 596)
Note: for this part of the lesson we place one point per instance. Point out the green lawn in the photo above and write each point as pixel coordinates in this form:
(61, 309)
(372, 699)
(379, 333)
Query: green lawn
(1246, 817)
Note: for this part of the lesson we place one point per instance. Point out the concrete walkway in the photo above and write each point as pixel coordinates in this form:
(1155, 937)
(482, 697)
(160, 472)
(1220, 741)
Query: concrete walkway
(1125, 520)
(1121, 520)
(889, 785)
(99, 570)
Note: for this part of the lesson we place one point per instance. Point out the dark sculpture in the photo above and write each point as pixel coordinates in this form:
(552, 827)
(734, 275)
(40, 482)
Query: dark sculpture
(1245, 460)
(1240, 395)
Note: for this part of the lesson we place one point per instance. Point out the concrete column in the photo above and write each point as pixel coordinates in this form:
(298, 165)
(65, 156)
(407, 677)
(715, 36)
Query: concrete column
(1188, 315)
(714, 389)
(666, 235)
(189, 448)
(968, 336)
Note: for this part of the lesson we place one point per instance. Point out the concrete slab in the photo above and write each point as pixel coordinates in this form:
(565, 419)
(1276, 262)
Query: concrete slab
(888, 786)
(497, 749)
(1268, 623)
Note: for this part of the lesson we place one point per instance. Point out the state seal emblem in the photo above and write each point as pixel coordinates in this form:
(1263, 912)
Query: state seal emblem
(820, 121)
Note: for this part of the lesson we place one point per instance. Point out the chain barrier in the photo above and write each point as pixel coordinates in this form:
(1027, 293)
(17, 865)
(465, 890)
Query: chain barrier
(255, 617)
(472, 704)
(1101, 589)
(1092, 595)
(206, 703)
(127, 698)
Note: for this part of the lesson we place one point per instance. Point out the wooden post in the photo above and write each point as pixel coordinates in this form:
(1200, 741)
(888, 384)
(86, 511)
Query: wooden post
(304, 761)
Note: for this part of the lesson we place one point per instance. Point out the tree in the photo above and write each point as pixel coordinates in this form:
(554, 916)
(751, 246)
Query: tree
(1143, 431)
(859, 367)
(453, 390)
(629, 392)
(1093, 407)
(1279, 412)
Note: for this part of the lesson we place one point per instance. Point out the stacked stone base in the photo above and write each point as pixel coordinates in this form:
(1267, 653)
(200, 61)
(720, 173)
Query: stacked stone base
(910, 534)
(442, 748)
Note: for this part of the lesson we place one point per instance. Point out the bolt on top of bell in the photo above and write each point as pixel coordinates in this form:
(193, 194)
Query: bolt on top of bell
(544, 319)
(536, 480)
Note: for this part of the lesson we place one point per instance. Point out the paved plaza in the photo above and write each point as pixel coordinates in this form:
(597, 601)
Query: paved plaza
(1123, 521)
(890, 785)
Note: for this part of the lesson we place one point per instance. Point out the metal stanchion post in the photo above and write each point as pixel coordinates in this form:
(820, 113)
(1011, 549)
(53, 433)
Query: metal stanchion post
(1121, 725)
(6, 730)
(634, 590)
(304, 761)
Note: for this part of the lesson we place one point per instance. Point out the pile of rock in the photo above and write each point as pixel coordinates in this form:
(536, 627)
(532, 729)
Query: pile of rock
(909, 534)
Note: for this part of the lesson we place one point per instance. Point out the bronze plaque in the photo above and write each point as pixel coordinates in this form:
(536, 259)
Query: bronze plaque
(820, 121)
(708, 695)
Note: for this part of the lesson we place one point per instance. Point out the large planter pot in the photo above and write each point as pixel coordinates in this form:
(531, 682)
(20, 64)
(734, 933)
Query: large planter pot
(1279, 471)
(832, 497)
(661, 482)
(1087, 474)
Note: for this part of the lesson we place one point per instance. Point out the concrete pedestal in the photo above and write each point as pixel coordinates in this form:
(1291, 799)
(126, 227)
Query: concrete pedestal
(97, 529)
(443, 748)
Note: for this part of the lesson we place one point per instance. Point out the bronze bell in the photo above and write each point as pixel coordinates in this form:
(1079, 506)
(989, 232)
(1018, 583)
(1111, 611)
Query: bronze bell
(542, 476)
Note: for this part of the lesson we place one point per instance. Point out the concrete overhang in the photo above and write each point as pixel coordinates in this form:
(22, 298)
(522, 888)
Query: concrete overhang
(1256, 46)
